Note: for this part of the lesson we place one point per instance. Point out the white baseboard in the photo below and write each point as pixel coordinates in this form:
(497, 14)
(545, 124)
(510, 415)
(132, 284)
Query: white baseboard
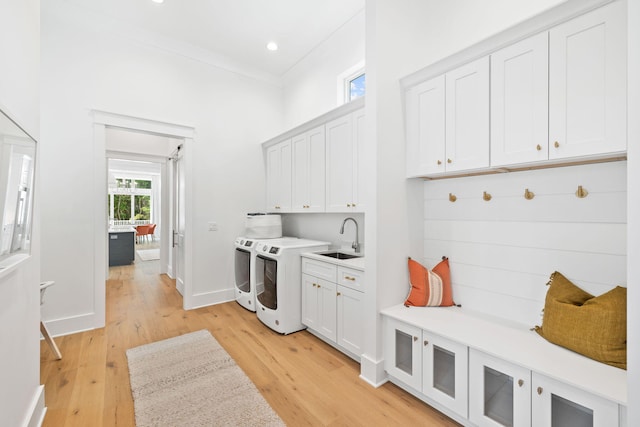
(37, 410)
(209, 298)
(73, 324)
(372, 371)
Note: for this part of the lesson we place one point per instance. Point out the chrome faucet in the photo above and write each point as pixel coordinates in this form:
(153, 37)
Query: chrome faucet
(355, 245)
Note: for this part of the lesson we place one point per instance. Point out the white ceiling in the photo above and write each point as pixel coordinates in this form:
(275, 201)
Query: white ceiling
(236, 29)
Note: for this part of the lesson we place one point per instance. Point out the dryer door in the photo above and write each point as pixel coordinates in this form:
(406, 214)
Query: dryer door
(267, 281)
(243, 270)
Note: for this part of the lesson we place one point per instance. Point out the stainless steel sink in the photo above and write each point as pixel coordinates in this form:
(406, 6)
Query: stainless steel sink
(339, 255)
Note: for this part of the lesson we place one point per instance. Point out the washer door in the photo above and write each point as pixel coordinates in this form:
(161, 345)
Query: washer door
(243, 270)
(267, 282)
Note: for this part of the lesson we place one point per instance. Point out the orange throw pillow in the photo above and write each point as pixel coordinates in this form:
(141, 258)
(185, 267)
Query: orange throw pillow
(430, 288)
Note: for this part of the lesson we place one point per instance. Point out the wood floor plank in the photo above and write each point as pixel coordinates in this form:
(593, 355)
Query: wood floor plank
(306, 381)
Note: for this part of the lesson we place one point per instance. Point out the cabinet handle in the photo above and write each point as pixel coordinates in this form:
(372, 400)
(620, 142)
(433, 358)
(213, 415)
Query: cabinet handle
(353, 205)
(449, 161)
(318, 286)
(520, 383)
(305, 206)
(415, 339)
(314, 285)
(439, 162)
(538, 147)
(338, 293)
(426, 343)
(556, 144)
(539, 390)
(277, 207)
(348, 205)
(350, 278)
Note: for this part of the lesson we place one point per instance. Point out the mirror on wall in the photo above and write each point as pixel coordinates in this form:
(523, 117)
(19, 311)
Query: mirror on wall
(17, 171)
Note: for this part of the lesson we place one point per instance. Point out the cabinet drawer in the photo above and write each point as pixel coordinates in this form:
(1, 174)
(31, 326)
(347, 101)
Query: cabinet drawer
(322, 270)
(351, 278)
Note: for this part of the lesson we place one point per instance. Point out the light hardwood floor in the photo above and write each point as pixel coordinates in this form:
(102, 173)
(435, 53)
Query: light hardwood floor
(306, 381)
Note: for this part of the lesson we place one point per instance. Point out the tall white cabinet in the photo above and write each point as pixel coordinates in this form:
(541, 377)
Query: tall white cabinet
(587, 82)
(278, 164)
(308, 171)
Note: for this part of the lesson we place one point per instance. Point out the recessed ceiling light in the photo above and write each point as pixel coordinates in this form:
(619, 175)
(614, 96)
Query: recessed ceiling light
(157, 1)
(273, 46)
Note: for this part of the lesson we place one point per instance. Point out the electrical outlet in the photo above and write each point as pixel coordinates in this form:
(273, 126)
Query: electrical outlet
(213, 226)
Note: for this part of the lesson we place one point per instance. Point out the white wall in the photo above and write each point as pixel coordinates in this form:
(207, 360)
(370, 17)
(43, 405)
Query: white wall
(501, 252)
(20, 393)
(86, 67)
(325, 227)
(402, 37)
(310, 87)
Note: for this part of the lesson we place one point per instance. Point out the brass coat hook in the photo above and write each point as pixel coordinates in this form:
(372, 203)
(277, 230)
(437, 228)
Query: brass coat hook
(452, 197)
(486, 196)
(581, 193)
(529, 195)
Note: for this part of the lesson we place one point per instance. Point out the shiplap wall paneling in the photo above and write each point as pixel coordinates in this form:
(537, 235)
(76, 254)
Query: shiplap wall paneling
(502, 251)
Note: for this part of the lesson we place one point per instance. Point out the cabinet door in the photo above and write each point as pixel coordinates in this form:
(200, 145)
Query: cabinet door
(310, 306)
(425, 127)
(559, 405)
(339, 170)
(308, 171)
(349, 319)
(467, 116)
(519, 102)
(403, 353)
(499, 392)
(587, 84)
(444, 370)
(359, 172)
(279, 177)
(327, 309)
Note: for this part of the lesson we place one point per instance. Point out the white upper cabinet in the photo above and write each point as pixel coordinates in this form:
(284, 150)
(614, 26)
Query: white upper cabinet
(587, 84)
(344, 137)
(278, 159)
(467, 116)
(519, 102)
(308, 179)
(425, 127)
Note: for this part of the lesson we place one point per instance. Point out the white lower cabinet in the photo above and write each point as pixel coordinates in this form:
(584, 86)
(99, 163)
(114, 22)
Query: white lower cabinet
(428, 363)
(332, 300)
(499, 392)
(444, 372)
(557, 404)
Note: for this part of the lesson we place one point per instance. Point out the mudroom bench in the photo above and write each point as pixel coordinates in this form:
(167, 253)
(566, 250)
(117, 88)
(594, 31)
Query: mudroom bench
(486, 371)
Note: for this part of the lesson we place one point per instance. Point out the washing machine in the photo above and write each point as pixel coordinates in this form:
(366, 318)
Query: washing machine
(245, 261)
(278, 282)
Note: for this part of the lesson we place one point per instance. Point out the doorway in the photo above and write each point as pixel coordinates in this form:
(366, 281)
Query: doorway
(106, 145)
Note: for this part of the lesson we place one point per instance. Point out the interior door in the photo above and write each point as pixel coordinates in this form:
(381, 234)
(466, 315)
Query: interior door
(178, 220)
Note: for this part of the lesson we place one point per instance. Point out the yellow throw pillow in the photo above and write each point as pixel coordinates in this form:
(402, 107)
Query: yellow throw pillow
(595, 327)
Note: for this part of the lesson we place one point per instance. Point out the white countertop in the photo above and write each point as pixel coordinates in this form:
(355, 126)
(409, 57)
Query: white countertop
(355, 263)
(122, 229)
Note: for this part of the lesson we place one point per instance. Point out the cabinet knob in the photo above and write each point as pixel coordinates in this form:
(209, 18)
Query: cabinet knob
(439, 162)
(338, 293)
(426, 343)
(520, 383)
(314, 285)
(353, 205)
(318, 286)
(538, 147)
(277, 207)
(556, 144)
(449, 161)
(348, 205)
(539, 390)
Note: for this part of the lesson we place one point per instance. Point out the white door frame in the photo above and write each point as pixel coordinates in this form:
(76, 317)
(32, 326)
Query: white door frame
(102, 120)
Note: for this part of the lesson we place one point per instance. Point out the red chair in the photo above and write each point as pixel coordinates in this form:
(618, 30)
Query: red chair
(152, 232)
(142, 231)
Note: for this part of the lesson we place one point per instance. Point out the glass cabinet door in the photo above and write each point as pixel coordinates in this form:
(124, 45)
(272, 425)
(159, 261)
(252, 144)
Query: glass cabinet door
(402, 352)
(499, 392)
(555, 404)
(444, 368)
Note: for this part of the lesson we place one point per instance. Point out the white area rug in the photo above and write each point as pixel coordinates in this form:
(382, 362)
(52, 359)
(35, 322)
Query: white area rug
(148, 254)
(191, 380)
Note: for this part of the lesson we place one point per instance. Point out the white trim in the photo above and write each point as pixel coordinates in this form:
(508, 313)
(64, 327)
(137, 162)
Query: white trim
(372, 371)
(345, 78)
(211, 298)
(72, 324)
(37, 410)
(141, 124)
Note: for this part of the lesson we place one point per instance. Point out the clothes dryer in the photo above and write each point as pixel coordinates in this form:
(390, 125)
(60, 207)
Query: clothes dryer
(278, 282)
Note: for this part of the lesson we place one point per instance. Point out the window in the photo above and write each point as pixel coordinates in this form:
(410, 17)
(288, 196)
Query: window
(130, 201)
(351, 83)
